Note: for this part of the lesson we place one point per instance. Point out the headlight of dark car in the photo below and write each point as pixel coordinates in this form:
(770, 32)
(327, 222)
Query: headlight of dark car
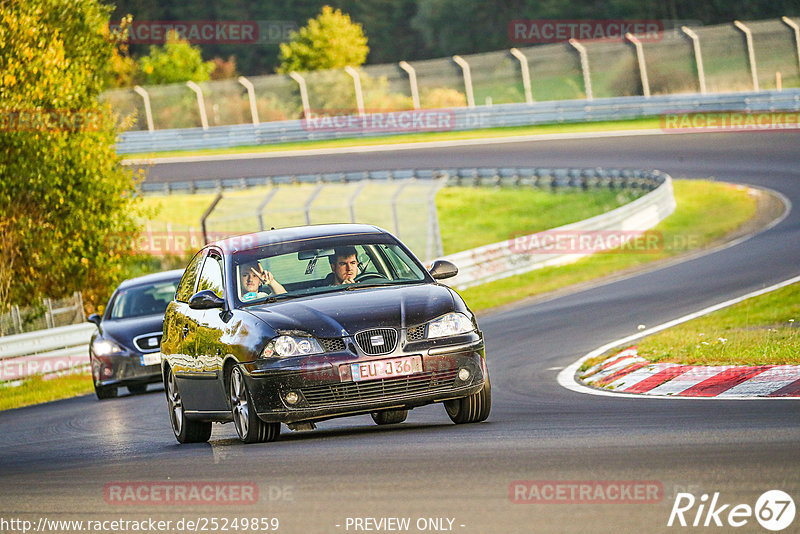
(291, 345)
(105, 347)
(451, 324)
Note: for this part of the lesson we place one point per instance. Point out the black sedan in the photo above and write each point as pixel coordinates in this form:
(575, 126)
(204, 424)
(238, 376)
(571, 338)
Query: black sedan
(124, 351)
(299, 325)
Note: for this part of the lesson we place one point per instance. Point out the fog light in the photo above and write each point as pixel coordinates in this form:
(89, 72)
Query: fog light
(463, 374)
(291, 397)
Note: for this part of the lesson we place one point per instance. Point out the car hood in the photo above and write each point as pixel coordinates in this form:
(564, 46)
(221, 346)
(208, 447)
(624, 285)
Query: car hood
(124, 330)
(347, 312)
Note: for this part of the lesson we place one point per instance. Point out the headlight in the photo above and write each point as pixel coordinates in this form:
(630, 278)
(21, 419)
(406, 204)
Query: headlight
(105, 347)
(452, 324)
(284, 346)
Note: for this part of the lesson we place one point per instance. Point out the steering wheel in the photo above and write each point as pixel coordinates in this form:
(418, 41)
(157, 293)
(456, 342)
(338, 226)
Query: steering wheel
(369, 276)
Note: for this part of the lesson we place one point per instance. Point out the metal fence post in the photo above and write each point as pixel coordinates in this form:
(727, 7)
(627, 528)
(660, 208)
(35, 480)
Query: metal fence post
(412, 80)
(642, 65)
(200, 103)
(467, 79)
(351, 202)
(793, 25)
(395, 196)
(751, 53)
(698, 57)
(303, 93)
(311, 198)
(260, 209)
(148, 112)
(433, 244)
(357, 85)
(251, 95)
(587, 77)
(526, 75)
(207, 214)
(48, 313)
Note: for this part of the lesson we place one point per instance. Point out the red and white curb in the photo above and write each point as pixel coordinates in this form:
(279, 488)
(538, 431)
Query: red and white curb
(673, 381)
(630, 373)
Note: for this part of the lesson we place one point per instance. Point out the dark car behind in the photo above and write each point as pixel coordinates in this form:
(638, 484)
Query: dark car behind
(125, 349)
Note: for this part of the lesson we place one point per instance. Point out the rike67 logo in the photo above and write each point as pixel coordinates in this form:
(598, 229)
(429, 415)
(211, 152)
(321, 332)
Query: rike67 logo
(774, 510)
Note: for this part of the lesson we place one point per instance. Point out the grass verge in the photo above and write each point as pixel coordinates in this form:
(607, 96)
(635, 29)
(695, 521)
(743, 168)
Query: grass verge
(36, 390)
(763, 330)
(706, 211)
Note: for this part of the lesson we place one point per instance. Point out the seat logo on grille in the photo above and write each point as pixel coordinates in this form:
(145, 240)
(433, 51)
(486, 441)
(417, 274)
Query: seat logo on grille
(376, 341)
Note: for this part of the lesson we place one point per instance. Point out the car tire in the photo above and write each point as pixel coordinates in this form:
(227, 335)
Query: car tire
(472, 409)
(105, 392)
(389, 417)
(137, 389)
(249, 427)
(185, 430)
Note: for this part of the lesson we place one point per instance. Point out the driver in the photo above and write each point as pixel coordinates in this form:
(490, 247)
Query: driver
(344, 265)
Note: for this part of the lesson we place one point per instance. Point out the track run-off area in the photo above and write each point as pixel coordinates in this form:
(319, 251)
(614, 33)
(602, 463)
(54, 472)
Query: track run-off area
(98, 461)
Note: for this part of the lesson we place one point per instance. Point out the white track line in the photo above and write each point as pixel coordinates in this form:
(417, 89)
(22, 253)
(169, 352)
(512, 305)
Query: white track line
(566, 378)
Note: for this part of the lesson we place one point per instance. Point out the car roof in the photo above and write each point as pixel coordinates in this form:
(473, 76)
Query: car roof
(295, 233)
(152, 278)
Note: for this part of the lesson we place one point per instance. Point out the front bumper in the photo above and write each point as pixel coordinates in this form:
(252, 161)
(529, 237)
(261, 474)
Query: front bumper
(326, 390)
(123, 369)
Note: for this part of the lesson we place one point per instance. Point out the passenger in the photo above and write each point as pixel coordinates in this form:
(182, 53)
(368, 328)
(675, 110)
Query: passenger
(344, 266)
(253, 277)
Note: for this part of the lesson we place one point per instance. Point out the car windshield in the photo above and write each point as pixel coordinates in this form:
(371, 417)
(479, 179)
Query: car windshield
(138, 301)
(321, 266)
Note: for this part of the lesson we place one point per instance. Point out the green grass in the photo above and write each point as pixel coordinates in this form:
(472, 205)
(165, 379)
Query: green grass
(706, 211)
(647, 123)
(471, 217)
(763, 330)
(36, 390)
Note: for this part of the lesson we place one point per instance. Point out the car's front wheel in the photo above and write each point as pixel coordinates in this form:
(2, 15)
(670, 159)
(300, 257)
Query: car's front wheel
(389, 417)
(472, 409)
(105, 392)
(250, 428)
(186, 430)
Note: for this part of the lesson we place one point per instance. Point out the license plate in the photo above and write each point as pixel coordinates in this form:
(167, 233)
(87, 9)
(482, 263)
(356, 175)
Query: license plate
(151, 358)
(386, 368)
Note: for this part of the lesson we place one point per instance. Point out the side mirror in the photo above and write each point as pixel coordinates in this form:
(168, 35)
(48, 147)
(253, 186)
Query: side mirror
(442, 269)
(94, 318)
(206, 300)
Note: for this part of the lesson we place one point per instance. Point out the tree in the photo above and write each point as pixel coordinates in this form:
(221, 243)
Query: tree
(329, 41)
(176, 61)
(67, 206)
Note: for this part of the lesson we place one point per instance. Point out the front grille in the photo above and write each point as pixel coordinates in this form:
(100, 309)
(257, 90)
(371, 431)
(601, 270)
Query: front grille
(377, 340)
(148, 342)
(384, 388)
(332, 344)
(415, 333)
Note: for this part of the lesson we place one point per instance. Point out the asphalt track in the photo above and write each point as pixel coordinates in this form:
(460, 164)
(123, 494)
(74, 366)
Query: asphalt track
(57, 459)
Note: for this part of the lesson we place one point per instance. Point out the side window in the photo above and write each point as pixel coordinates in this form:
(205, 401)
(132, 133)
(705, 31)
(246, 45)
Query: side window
(186, 286)
(211, 275)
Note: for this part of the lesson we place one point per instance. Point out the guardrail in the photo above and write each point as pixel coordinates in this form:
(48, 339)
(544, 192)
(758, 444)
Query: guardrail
(623, 226)
(43, 352)
(457, 119)
(65, 349)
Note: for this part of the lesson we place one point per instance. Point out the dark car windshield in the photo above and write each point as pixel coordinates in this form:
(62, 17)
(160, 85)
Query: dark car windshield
(309, 268)
(137, 301)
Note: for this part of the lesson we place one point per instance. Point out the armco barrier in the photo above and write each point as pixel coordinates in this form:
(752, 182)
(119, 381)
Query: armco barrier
(43, 352)
(560, 111)
(516, 256)
(66, 348)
